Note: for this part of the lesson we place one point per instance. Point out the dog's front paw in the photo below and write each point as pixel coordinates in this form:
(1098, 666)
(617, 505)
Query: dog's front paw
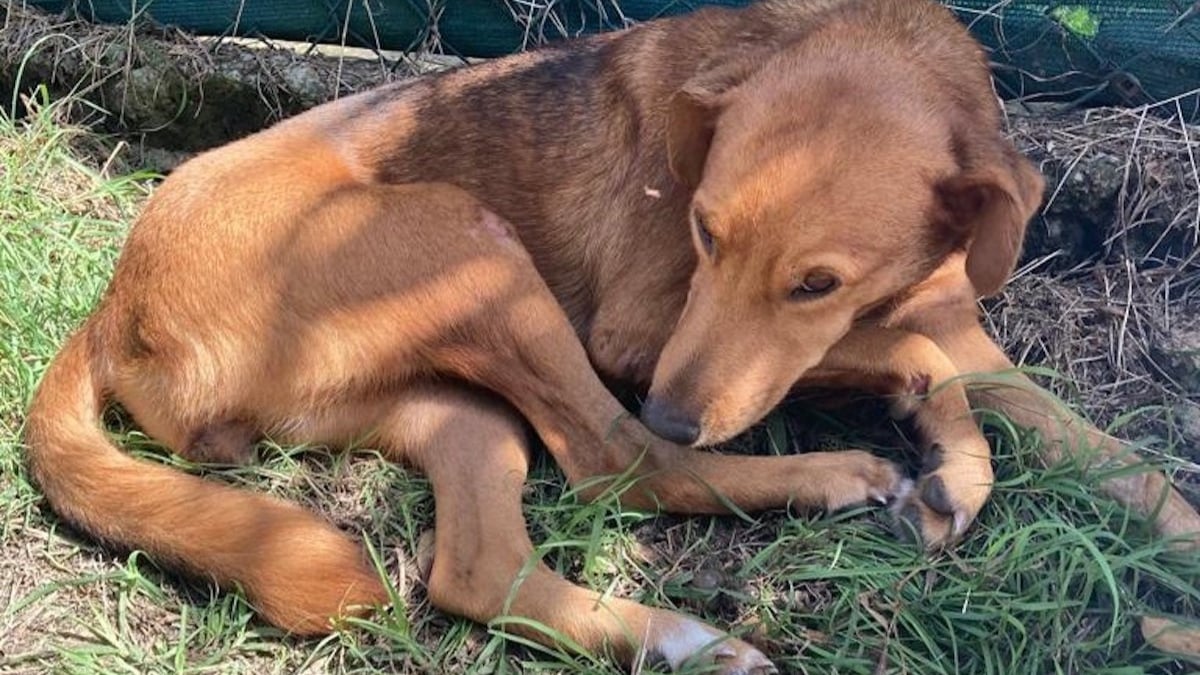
(863, 478)
(944, 502)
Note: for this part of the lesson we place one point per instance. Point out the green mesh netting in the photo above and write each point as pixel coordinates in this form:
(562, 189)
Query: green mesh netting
(1097, 51)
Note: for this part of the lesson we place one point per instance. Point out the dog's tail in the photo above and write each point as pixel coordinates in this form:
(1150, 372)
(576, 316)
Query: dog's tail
(297, 571)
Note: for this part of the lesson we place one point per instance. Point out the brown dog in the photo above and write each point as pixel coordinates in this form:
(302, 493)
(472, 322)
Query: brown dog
(720, 205)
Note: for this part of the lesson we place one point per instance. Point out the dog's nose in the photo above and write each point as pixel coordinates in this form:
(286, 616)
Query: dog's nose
(668, 422)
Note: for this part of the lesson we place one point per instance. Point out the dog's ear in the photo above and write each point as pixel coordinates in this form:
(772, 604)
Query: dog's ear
(990, 204)
(690, 126)
(692, 117)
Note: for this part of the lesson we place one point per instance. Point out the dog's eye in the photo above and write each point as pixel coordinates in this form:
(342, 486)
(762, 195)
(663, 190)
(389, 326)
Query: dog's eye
(815, 285)
(706, 238)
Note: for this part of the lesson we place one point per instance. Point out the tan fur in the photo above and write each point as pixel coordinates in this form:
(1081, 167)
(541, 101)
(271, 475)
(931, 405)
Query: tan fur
(424, 265)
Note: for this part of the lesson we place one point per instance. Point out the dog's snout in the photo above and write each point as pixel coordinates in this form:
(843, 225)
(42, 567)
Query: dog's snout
(667, 421)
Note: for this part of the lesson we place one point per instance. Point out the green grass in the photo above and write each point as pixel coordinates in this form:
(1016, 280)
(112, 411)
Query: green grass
(1051, 579)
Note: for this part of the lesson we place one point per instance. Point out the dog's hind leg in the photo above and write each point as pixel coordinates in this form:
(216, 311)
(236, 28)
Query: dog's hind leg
(473, 449)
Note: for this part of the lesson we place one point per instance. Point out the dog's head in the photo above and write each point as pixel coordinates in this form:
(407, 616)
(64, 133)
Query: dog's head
(820, 193)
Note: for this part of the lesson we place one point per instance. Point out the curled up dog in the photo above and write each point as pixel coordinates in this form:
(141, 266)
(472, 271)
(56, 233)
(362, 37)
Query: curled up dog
(719, 207)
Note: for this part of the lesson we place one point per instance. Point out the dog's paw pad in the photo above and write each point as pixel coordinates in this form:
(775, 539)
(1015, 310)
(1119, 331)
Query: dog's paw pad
(935, 514)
